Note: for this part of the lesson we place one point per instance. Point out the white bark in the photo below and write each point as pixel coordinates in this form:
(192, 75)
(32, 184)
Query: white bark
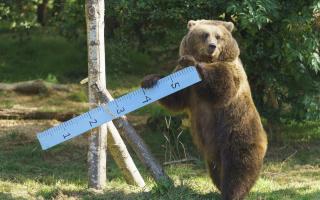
(118, 149)
(96, 73)
(135, 141)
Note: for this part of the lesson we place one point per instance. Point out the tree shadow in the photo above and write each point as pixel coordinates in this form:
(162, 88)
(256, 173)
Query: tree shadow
(6, 196)
(287, 194)
(22, 160)
(174, 193)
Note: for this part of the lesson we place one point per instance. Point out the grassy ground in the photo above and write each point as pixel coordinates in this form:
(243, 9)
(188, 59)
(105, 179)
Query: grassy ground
(291, 170)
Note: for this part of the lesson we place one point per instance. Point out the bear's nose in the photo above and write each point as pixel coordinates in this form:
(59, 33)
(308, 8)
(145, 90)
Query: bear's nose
(212, 47)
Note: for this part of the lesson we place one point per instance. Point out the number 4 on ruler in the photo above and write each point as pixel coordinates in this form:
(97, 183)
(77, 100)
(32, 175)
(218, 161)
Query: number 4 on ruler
(118, 107)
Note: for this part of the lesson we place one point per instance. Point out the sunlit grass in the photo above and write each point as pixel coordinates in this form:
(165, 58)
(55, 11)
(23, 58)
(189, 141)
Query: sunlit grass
(27, 172)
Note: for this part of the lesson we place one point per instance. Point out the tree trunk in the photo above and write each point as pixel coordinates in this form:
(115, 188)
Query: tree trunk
(58, 6)
(19, 114)
(317, 19)
(42, 10)
(96, 73)
(33, 87)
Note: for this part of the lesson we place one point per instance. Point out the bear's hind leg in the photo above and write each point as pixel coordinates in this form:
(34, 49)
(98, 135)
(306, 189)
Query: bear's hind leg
(215, 173)
(237, 180)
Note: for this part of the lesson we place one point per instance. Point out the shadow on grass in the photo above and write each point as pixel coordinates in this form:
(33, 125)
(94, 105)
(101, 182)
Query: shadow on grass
(22, 161)
(6, 196)
(176, 193)
(183, 193)
(287, 194)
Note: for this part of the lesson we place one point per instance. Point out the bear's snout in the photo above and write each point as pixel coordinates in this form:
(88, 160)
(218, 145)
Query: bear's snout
(212, 47)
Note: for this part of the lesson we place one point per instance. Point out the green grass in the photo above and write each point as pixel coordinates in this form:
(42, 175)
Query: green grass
(51, 57)
(43, 56)
(26, 172)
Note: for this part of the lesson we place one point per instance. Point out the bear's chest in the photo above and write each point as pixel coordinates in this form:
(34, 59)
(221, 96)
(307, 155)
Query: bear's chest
(210, 125)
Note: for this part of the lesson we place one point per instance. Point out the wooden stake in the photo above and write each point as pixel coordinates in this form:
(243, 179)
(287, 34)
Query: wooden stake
(121, 156)
(135, 141)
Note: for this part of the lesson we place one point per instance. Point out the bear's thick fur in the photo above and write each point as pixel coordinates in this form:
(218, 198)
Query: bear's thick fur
(226, 126)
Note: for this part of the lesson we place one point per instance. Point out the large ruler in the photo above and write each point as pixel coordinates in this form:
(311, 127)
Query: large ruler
(118, 107)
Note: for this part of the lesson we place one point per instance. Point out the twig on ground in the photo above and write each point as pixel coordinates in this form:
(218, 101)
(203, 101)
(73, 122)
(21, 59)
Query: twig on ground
(180, 161)
(289, 157)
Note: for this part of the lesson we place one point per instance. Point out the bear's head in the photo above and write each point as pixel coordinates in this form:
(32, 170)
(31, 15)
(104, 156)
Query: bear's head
(210, 41)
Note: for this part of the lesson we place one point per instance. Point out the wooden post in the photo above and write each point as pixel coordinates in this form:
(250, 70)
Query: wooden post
(121, 156)
(96, 73)
(135, 141)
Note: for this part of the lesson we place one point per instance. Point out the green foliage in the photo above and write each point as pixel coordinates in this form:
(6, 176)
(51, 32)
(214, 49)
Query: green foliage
(18, 15)
(47, 57)
(51, 78)
(79, 96)
(280, 49)
(69, 19)
(279, 41)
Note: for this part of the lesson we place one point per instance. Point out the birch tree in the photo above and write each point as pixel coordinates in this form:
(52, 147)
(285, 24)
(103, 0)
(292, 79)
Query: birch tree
(96, 73)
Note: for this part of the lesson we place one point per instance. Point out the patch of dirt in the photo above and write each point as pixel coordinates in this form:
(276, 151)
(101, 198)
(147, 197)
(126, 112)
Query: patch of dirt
(57, 101)
(30, 127)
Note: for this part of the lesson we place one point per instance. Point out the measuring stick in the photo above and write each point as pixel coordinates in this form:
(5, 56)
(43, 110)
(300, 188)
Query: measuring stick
(118, 107)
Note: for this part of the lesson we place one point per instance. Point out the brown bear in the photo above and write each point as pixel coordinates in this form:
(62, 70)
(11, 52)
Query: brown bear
(226, 126)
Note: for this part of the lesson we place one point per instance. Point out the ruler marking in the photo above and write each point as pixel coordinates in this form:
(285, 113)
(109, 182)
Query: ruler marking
(115, 101)
(89, 115)
(121, 106)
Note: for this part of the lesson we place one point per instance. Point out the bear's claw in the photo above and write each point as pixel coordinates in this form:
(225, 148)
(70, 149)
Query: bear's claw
(150, 80)
(186, 61)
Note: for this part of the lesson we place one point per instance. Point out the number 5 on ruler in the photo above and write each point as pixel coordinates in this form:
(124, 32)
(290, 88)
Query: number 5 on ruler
(118, 107)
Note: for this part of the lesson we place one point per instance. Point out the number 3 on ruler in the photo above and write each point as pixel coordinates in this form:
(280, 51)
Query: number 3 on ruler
(120, 110)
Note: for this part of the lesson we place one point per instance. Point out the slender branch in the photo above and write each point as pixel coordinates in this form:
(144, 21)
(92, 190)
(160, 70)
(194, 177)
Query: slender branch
(122, 157)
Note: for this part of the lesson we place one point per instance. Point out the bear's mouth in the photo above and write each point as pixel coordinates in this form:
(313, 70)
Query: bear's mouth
(214, 56)
(208, 56)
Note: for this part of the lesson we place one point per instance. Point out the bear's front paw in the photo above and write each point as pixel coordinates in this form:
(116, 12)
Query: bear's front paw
(150, 80)
(186, 61)
(201, 70)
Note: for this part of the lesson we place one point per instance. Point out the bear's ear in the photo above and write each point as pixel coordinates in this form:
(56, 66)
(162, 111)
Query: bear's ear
(228, 25)
(191, 24)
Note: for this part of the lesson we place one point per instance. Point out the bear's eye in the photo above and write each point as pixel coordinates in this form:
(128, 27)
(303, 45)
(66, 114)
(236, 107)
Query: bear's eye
(218, 37)
(205, 35)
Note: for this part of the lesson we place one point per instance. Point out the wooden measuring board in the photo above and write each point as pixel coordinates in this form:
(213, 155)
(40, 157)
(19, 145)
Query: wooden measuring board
(118, 107)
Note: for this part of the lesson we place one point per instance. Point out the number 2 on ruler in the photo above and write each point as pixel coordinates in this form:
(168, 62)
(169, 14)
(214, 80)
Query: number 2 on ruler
(170, 84)
(66, 135)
